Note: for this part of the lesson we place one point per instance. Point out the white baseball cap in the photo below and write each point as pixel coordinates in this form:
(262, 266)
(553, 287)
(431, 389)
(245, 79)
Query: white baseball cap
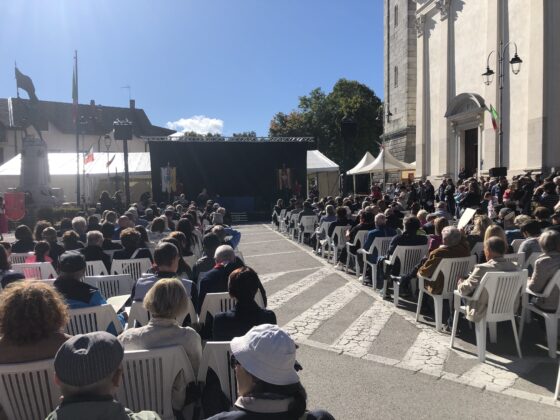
(268, 353)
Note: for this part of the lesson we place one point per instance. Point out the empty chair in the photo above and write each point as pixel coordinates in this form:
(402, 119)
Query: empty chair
(148, 377)
(503, 289)
(96, 268)
(379, 247)
(20, 257)
(452, 269)
(39, 270)
(27, 390)
(409, 257)
(216, 355)
(550, 318)
(93, 318)
(135, 267)
(109, 286)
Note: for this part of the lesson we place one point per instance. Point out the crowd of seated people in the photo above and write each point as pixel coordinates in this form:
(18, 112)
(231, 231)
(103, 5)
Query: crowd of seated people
(34, 313)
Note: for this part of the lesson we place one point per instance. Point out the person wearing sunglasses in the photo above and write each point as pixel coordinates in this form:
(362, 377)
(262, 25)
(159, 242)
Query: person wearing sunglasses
(268, 385)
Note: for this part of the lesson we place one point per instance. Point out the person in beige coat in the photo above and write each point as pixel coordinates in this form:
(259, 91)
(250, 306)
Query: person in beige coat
(546, 267)
(167, 301)
(494, 249)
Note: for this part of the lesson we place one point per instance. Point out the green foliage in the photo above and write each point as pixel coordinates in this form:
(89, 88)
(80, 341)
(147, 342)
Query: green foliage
(319, 115)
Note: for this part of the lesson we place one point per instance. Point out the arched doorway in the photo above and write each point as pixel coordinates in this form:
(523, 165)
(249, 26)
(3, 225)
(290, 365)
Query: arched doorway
(465, 116)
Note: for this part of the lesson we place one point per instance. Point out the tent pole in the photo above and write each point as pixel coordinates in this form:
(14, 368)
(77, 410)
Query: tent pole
(354, 182)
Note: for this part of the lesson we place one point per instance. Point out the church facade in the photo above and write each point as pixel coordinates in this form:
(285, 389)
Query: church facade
(456, 42)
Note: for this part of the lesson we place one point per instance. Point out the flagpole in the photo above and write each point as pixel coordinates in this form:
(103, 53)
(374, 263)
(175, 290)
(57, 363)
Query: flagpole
(76, 120)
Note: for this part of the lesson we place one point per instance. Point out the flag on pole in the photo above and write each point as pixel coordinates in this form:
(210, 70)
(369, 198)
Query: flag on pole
(494, 115)
(24, 82)
(75, 90)
(88, 157)
(110, 161)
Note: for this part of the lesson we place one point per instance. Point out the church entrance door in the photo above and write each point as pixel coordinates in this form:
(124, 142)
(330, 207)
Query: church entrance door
(471, 150)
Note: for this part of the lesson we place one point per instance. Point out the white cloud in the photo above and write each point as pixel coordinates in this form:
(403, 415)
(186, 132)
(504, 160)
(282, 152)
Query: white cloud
(199, 124)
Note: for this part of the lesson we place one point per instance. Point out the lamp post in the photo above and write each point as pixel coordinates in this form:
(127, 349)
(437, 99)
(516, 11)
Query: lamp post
(108, 141)
(381, 117)
(349, 129)
(488, 77)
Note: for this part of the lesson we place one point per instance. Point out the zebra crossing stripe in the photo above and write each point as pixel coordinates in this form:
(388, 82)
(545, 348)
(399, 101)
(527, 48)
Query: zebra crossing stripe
(273, 276)
(428, 353)
(305, 324)
(294, 289)
(359, 336)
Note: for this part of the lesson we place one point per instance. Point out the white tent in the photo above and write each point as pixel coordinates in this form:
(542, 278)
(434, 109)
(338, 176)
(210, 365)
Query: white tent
(366, 160)
(324, 170)
(392, 164)
(62, 168)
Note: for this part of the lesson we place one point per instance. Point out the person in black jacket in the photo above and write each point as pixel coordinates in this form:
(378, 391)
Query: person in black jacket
(243, 285)
(130, 238)
(107, 229)
(24, 240)
(93, 251)
(49, 235)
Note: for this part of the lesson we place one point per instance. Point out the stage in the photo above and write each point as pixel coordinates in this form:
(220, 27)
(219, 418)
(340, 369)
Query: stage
(245, 174)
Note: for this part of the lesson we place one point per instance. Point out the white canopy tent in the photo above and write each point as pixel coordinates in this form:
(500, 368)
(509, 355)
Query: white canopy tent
(388, 161)
(365, 161)
(324, 170)
(62, 168)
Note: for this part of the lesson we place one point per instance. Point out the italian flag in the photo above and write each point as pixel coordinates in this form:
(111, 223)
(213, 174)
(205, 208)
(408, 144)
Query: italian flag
(494, 115)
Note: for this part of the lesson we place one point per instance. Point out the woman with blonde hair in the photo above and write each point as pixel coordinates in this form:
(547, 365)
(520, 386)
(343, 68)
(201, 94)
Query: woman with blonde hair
(496, 231)
(481, 224)
(167, 301)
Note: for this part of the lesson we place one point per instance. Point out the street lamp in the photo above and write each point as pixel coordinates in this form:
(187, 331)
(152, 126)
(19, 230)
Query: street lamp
(381, 117)
(488, 77)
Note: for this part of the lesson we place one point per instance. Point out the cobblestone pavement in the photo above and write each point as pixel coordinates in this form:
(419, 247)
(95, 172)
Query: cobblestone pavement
(328, 309)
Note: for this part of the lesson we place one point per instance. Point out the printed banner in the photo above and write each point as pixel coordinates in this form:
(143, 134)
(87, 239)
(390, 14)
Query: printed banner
(15, 205)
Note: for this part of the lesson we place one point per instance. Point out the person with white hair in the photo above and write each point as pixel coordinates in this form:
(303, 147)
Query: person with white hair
(79, 225)
(382, 230)
(93, 251)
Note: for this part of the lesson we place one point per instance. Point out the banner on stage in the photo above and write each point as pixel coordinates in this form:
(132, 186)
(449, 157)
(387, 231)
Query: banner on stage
(168, 179)
(15, 205)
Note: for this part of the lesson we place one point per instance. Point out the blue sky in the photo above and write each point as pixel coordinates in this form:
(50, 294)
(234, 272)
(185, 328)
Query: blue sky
(233, 62)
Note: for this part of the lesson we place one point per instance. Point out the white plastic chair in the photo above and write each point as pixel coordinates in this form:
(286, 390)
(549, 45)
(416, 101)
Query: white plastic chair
(190, 260)
(148, 377)
(216, 356)
(38, 270)
(382, 246)
(550, 318)
(529, 263)
(478, 250)
(308, 223)
(214, 303)
(359, 240)
(94, 318)
(109, 286)
(515, 244)
(96, 268)
(283, 227)
(138, 313)
(20, 257)
(503, 289)
(135, 267)
(452, 270)
(292, 226)
(329, 245)
(518, 259)
(409, 257)
(27, 390)
(321, 231)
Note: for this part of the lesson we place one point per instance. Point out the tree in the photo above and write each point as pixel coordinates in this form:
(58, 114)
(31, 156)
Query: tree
(319, 115)
(245, 134)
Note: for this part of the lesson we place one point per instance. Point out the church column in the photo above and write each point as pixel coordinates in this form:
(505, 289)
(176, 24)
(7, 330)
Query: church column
(490, 136)
(535, 102)
(421, 169)
(443, 133)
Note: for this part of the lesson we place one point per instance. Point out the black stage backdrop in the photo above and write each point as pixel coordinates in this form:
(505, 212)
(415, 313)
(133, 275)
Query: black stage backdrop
(243, 176)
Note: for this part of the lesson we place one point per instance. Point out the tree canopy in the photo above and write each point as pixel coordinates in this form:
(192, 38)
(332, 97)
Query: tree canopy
(319, 115)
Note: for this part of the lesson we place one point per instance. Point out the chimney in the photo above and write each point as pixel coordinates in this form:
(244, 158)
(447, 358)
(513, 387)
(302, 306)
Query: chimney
(132, 104)
(92, 102)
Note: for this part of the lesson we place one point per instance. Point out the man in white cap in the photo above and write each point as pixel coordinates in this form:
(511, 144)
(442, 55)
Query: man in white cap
(268, 385)
(88, 370)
